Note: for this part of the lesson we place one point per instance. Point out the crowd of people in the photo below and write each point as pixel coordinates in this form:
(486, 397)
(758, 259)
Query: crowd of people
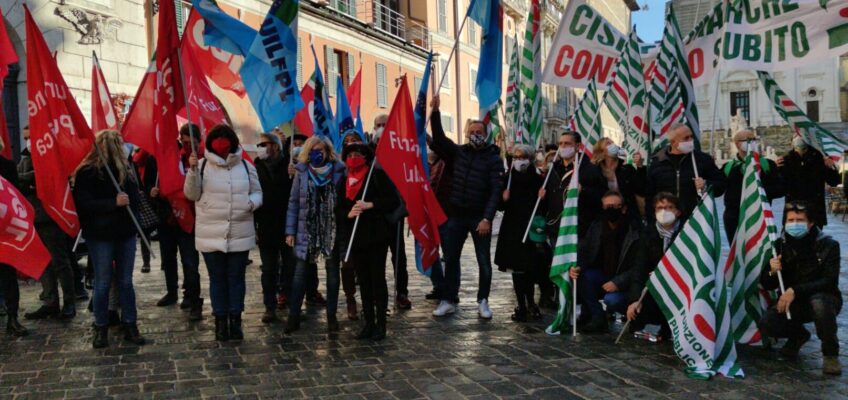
(301, 200)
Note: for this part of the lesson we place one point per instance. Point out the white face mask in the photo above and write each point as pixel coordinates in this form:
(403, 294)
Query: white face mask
(799, 144)
(296, 151)
(686, 147)
(520, 165)
(613, 151)
(665, 217)
(749, 146)
(377, 133)
(262, 152)
(566, 152)
(29, 145)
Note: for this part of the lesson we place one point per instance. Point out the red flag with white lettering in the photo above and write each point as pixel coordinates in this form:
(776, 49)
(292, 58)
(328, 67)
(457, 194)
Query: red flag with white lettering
(102, 111)
(203, 106)
(400, 157)
(220, 66)
(7, 56)
(20, 245)
(59, 133)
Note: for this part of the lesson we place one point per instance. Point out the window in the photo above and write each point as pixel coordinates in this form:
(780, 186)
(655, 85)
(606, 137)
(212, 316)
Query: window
(813, 110)
(447, 122)
(740, 101)
(331, 69)
(417, 87)
(443, 66)
(472, 32)
(382, 87)
(299, 63)
(510, 47)
(441, 9)
(472, 82)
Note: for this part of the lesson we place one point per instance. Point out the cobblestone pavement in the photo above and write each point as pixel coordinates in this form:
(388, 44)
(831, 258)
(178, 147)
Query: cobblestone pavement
(423, 357)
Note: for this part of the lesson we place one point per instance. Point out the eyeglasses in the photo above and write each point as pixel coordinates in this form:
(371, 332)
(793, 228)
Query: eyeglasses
(795, 206)
(614, 207)
(263, 144)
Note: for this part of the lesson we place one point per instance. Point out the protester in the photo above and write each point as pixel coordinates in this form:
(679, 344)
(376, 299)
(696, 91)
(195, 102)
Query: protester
(226, 192)
(607, 257)
(311, 226)
(656, 238)
(734, 170)
(109, 231)
(60, 270)
(294, 145)
(474, 199)
(173, 239)
(672, 170)
(379, 124)
(592, 186)
(144, 167)
(348, 271)
(809, 262)
(805, 172)
(370, 240)
(271, 167)
(8, 274)
(441, 181)
(524, 259)
(629, 180)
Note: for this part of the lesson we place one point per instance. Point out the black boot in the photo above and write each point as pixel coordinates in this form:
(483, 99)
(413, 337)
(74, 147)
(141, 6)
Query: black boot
(380, 329)
(168, 299)
(221, 328)
(43, 312)
(13, 327)
(332, 323)
(368, 317)
(235, 327)
(69, 311)
(114, 318)
(132, 335)
(101, 337)
(196, 312)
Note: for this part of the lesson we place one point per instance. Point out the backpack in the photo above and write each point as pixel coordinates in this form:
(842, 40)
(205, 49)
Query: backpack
(203, 168)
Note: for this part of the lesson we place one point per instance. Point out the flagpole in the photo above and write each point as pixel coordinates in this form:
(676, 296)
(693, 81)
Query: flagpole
(77, 241)
(450, 57)
(539, 199)
(574, 308)
(185, 98)
(627, 324)
(356, 222)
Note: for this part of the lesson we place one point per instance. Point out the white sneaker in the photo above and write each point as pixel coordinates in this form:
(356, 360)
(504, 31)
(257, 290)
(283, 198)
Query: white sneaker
(444, 308)
(484, 310)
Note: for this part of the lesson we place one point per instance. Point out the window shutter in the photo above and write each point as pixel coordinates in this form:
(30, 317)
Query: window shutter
(417, 85)
(329, 75)
(299, 63)
(443, 65)
(351, 69)
(443, 18)
(382, 90)
(351, 7)
(178, 6)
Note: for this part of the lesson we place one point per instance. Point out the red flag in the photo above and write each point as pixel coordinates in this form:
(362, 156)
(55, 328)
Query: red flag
(303, 118)
(102, 112)
(354, 93)
(20, 246)
(400, 157)
(59, 133)
(203, 106)
(220, 66)
(7, 56)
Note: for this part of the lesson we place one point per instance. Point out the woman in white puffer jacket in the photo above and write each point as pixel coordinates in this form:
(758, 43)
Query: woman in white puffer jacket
(226, 191)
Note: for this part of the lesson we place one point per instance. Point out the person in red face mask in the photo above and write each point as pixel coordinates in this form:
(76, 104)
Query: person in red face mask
(226, 192)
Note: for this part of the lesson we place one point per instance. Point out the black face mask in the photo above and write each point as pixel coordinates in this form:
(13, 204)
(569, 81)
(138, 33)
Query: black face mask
(613, 215)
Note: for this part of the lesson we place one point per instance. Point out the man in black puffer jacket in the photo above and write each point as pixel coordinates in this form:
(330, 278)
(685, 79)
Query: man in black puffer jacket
(475, 191)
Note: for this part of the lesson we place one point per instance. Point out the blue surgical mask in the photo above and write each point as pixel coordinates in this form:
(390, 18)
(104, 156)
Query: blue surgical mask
(797, 229)
(316, 158)
(296, 151)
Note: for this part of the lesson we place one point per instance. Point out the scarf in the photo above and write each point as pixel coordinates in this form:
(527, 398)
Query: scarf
(355, 180)
(320, 175)
(667, 234)
(320, 218)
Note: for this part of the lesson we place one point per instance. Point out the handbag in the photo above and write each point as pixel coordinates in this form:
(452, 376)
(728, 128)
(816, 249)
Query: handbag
(148, 218)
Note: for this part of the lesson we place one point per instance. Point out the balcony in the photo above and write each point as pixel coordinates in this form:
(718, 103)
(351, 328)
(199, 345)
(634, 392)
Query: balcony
(382, 19)
(515, 8)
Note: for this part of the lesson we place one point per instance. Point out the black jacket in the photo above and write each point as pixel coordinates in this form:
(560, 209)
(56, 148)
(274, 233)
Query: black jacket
(805, 177)
(593, 186)
(9, 171)
(276, 185)
(477, 173)
(810, 265)
(511, 253)
(666, 175)
(734, 170)
(99, 215)
(631, 182)
(653, 251)
(26, 180)
(631, 254)
(372, 229)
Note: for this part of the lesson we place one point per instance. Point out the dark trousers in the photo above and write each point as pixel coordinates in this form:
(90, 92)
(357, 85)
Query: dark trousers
(276, 270)
(370, 265)
(651, 314)
(731, 221)
(524, 289)
(9, 285)
(349, 282)
(172, 239)
(542, 257)
(226, 281)
(286, 271)
(820, 308)
(398, 249)
(59, 271)
(458, 228)
(437, 272)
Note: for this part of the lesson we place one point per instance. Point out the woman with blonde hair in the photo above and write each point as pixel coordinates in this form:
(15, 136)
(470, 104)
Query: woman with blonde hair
(311, 226)
(109, 230)
(629, 180)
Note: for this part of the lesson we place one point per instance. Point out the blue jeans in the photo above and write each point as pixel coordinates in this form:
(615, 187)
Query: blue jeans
(590, 292)
(103, 254)
(457, 230)
(299, 283)
(226, 281)
(437, 272)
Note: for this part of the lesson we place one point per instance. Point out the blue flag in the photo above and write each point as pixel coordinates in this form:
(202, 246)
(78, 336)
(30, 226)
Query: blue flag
(322, 115)
(359, 128)
(269, 71)
(223, 31)
(344, 117)
(489, 15)
(421, 130)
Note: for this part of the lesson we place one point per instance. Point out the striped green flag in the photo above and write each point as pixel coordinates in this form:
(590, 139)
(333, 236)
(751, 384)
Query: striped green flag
(814, 134)
(565, 253)
(748, 252)
(673, 69)
(626, 98)
(585, 119)
(691, 291)
(531, 77)
(513, 98)
(492, 123)
(670, 113)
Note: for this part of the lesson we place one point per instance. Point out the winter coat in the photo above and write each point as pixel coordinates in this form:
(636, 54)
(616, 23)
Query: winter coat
(805, 177)
(810, 265)
(26, 179)
(631, 254)
(276, 187)
(297, 210)
(373, 229)
(664, 175)
(511, 253)
(226, 193)
(9, 171)
(441, 180)
(734, 171)
(593, 186)
(653, 250)
(631, 182)
(99, 215)
(478, 173)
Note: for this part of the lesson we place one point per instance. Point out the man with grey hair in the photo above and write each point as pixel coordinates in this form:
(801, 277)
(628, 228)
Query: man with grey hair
(682, 170)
